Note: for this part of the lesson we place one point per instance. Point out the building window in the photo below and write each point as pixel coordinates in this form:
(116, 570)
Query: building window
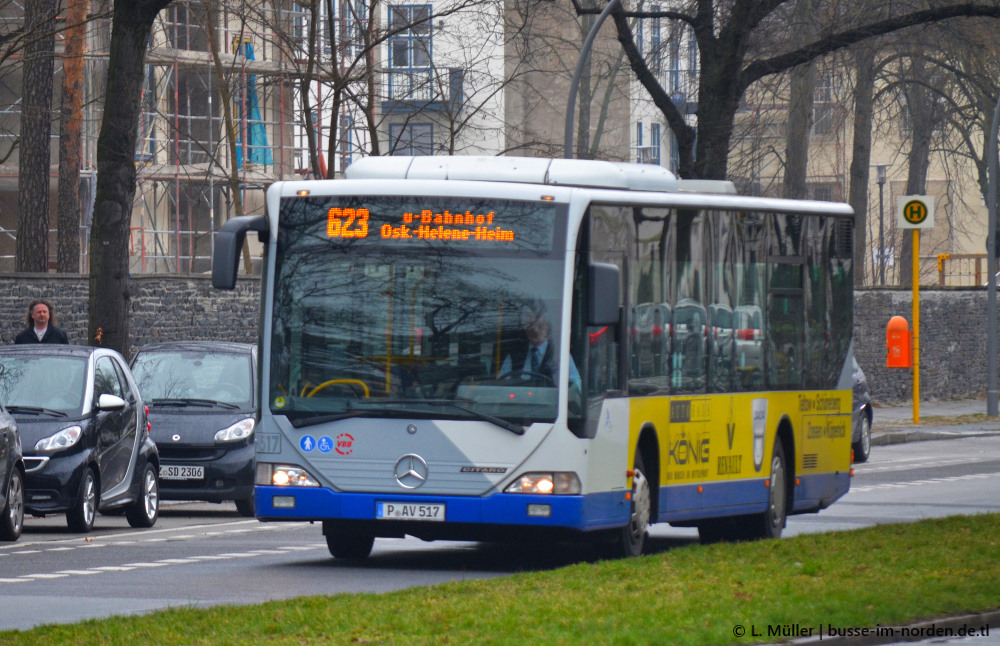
(654, 41)
(675, 153)
(692, 58)
(355, 24)
(638, 142)
(411, 139)
(823, 102)
(675, 65)
(654, 136)
(346, 140)
(410, 50)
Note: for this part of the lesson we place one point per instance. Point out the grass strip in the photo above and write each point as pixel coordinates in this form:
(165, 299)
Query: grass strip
(693, 595)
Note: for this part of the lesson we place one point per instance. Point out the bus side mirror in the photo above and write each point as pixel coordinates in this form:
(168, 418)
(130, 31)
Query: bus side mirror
(228, 244)
(605, 294)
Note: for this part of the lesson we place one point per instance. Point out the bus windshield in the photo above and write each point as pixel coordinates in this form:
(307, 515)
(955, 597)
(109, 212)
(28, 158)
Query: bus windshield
(408, 307)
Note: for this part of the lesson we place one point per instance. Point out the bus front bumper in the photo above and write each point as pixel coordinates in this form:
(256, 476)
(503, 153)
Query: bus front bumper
(573, 513)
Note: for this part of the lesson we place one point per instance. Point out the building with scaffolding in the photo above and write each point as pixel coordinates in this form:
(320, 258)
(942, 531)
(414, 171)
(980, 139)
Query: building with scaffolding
(240, 94)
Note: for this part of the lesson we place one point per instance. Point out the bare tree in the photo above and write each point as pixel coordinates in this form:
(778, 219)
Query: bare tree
(36, 127)
(800, 103)
(70, 150)
(736, 49)
(132, 22)
(864, 90)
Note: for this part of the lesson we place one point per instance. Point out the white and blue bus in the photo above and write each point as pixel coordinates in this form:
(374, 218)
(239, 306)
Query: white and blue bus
(476, 348)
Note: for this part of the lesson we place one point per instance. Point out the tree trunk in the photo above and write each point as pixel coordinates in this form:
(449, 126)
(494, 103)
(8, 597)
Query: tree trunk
(920, 101)
(800, 107)
(36, 127)
(131, 25)
(70, 153)
(861, 156)
(800, 104)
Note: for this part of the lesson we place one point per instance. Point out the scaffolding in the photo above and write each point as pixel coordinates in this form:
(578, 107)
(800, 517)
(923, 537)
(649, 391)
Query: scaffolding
(214, 132)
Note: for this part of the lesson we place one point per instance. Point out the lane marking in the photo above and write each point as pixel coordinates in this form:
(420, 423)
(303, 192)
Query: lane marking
(948, 479)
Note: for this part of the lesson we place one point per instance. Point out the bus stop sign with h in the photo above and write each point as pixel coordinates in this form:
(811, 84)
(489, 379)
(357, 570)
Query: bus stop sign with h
(915, 212)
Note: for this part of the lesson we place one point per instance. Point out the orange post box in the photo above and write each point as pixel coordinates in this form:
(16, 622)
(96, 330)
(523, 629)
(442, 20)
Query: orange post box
(897, 343)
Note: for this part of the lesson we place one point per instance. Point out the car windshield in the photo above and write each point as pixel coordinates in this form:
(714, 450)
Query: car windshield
(185, 377)
(426, 326)
(43, 385)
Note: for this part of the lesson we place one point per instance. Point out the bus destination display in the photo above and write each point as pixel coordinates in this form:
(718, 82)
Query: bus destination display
(346, 222)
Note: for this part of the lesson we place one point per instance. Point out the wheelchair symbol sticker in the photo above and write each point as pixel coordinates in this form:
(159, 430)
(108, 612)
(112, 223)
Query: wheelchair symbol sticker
(325, 444)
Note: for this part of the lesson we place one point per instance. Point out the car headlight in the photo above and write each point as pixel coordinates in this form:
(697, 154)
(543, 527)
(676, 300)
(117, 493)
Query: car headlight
(558, 482)
(241, 430)
(61, 440)
(283, 475)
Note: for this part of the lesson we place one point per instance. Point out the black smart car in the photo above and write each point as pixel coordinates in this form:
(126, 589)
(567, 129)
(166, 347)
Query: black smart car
(201, 404)
(11, 479)
(85, 433)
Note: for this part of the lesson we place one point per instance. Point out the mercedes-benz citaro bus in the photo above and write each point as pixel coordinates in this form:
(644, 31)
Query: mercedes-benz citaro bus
(499, 348)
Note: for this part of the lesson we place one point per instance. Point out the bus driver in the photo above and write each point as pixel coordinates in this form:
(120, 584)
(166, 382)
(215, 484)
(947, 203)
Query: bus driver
(534, 357)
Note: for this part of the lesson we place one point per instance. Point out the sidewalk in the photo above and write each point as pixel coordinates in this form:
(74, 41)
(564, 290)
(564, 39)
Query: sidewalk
(894, 424)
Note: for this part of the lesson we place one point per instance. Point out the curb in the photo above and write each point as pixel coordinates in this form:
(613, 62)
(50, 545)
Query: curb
(916, 632)
(887, 438)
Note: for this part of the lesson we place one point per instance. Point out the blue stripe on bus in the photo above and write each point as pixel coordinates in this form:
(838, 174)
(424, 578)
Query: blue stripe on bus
(584, 513)
(728, 497)
(817, 491)
(737, 497)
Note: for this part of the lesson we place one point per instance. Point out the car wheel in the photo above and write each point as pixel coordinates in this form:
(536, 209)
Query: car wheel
(630, 540)
(13, 516)
(80, 517)
(863, 447)
(353, 548)
(245, 507)
(144, 511)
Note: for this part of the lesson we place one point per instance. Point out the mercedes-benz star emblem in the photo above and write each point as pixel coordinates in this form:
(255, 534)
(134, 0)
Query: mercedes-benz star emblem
(176, 437)
(411, 471)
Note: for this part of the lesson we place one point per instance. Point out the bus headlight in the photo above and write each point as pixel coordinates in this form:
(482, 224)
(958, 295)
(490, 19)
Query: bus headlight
(558, 482)
(283, 475)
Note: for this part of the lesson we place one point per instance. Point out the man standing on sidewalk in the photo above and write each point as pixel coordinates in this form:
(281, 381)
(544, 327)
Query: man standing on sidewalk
(41, 328)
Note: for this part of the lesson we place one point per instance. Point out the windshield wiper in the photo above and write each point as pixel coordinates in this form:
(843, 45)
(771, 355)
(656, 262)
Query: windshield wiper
(377, 407)
(181, 402)
(299, 422)
(507, 425)
(36, 410)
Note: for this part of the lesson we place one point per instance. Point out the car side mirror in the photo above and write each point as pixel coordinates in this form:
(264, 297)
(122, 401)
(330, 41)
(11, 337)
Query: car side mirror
(110, 402)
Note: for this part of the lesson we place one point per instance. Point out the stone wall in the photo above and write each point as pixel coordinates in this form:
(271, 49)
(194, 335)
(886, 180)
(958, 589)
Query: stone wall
(162, 308)
(165, 308)
(952, 342)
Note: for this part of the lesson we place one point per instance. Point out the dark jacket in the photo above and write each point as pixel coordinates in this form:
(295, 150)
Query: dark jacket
(52, 335)
(517, 351)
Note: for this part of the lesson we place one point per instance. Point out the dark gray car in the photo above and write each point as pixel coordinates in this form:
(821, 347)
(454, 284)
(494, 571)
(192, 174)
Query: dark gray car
(861, 436)
(11, 479)
(201, 400)
(85, 433)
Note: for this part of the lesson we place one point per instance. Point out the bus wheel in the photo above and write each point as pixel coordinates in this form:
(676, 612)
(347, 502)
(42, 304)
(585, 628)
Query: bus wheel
(630, 540)
(352, 548)
(771, 522)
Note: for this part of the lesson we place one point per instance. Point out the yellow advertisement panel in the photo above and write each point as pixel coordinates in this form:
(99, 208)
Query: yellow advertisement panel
(707, 438)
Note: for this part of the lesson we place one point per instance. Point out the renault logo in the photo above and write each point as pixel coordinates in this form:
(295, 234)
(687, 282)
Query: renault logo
(411, 471)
